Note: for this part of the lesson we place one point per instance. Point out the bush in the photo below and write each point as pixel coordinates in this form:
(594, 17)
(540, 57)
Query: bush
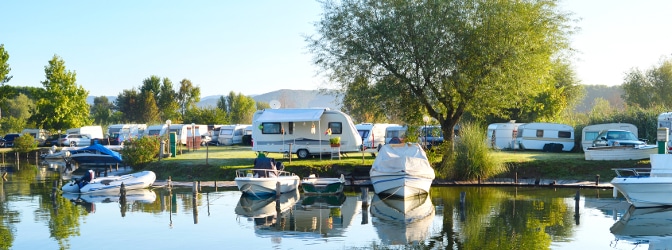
(472, 159)
(25, 143)
(140, 151)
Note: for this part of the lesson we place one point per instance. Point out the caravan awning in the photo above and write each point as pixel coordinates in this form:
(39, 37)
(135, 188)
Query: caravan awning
(290, 115)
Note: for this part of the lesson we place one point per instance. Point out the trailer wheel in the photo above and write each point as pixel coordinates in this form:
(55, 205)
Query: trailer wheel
(302, 153)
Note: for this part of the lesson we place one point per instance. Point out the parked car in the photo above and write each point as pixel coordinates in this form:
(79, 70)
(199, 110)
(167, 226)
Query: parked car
(205, 139)
(617, 137)
(9, 140)
(2, 142)
(75, 140)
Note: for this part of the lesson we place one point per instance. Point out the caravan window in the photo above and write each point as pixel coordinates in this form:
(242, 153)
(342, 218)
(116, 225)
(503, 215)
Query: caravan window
(270, 128)
(238, 132)
(564, 134)
(590, 136)
(540, 133)
(336, 127)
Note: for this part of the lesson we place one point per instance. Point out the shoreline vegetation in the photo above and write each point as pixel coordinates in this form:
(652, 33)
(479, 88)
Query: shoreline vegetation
(219, 163)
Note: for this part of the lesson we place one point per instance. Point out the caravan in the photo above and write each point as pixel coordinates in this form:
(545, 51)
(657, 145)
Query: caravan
(40, 135)
(183, 132)
(590, 132)
(156, 130)
(395, 134)
(231, 134)
(665, 121)
(502, 135)
(545, 136)
(373, 134)
(303, 132)
(118, 133)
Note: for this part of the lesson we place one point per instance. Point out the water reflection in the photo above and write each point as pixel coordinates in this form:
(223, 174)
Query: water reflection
(402, 221)
(651, 226)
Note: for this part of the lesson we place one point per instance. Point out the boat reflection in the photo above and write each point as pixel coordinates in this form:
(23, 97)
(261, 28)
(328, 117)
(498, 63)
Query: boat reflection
(651, 226)
(402, 221)
(88, 201)
(311, 217)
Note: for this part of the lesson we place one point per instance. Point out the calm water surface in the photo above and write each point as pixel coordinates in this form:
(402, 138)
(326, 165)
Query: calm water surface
(492, 218)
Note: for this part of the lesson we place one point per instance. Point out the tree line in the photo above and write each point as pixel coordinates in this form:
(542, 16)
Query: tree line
(61, 103)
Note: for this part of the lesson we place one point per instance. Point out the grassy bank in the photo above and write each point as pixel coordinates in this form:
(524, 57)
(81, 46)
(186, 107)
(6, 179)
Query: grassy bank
(220, 163)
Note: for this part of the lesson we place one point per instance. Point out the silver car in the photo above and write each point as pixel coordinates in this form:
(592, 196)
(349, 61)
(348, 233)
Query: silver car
(616, 137)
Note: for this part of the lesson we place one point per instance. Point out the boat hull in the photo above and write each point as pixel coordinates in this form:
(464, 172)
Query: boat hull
(112, 184)
(322, 186)
(265, 186)
(400, 185)
(619, 153)
(645, 191)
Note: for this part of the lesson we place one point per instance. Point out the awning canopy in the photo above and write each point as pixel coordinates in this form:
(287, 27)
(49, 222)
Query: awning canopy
(290, 115)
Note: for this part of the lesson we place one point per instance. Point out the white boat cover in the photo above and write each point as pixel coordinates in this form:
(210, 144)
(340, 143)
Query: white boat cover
(409, 158)
(290, 115)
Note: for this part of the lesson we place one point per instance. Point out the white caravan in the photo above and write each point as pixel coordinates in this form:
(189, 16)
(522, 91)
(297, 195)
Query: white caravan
(183, 131)
(502, 135)
(545, 136)
(156, 130)
(305, 131)
(665, 121)
(590, 132)
(94, 132)
(40, 135)
(373, 135)
(231, 134)
(395, 134)
(117, 133)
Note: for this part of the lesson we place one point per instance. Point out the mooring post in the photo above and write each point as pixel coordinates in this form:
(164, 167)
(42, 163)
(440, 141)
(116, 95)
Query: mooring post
(463, 200)
(577, 198)
(597, 179)
(277, 190)
(194, 190)
(122, 191)
(170, 183)
(365, 205)
(516, 178)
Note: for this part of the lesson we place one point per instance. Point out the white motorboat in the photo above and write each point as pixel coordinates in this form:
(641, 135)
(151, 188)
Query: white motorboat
(313, 185)
(111, 184)
(644, 187)
(645, 225)
(619, 153)
(251, 206)
(401, 170)
(402, 221)
(135, 195)
(266, 178)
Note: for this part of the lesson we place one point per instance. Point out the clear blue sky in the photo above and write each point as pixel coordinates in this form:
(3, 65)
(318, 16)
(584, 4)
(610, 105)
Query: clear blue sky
(254, 47)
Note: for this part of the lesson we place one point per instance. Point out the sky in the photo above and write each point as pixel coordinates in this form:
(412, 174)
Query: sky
(255, 47)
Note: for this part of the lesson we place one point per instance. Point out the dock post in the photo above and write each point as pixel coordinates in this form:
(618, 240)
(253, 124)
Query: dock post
(615, 192)
(194, 190)
(277, 189)
(577, 198)
(170, 183)
(597, 179)
(365, 205)
(463, 200)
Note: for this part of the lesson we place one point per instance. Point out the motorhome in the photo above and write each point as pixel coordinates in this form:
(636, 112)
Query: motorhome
(183, 131)
(373, 134)
(395, 134)
(231, 134)
(304, 132)
(552, 137)
(502, 135)
(94, 132)
(117, 133)
(40, 135)
(665, 121)
(590, 132)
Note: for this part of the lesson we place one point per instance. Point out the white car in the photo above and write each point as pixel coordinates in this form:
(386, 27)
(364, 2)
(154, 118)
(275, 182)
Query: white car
(75, 140)
(205, 139)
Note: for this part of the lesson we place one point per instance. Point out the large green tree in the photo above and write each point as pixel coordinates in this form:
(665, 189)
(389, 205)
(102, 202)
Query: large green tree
(240, 108)
(188, 96)
(64, 104)
(16, 114)
(4, 66)
(129, 103)
(101, 111)
(651, 88)
(451, 56)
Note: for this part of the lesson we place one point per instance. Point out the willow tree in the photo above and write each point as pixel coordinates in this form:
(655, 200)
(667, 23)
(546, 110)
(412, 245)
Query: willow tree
(451, 56)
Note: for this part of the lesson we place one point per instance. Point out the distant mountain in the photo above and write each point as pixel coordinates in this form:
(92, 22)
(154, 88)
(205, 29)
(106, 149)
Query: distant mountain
(288, 99)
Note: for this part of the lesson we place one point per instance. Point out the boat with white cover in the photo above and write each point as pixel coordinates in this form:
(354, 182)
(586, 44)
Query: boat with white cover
(313, 185)
(644, 187)
(401, 170)
(402, 221)
(137, 180)
(266, 178)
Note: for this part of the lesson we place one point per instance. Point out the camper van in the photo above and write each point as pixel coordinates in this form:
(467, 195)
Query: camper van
(590, 132)
(40, 135)
(155, 130)
(94, 132)
(231, 134)
(552, 137)
(304, 132)
(373, 134)
(118, 133)
(395, 134)
(502, 135)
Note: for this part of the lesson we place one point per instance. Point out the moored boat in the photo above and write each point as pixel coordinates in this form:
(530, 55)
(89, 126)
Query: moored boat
(266, 178)
(313, 185)
(619, 153)
(644, 187)
(95, 154)
(401, 170)
(137, 180)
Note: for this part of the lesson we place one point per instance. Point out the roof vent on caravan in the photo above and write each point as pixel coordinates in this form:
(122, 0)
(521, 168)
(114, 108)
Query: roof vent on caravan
(275, 104)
